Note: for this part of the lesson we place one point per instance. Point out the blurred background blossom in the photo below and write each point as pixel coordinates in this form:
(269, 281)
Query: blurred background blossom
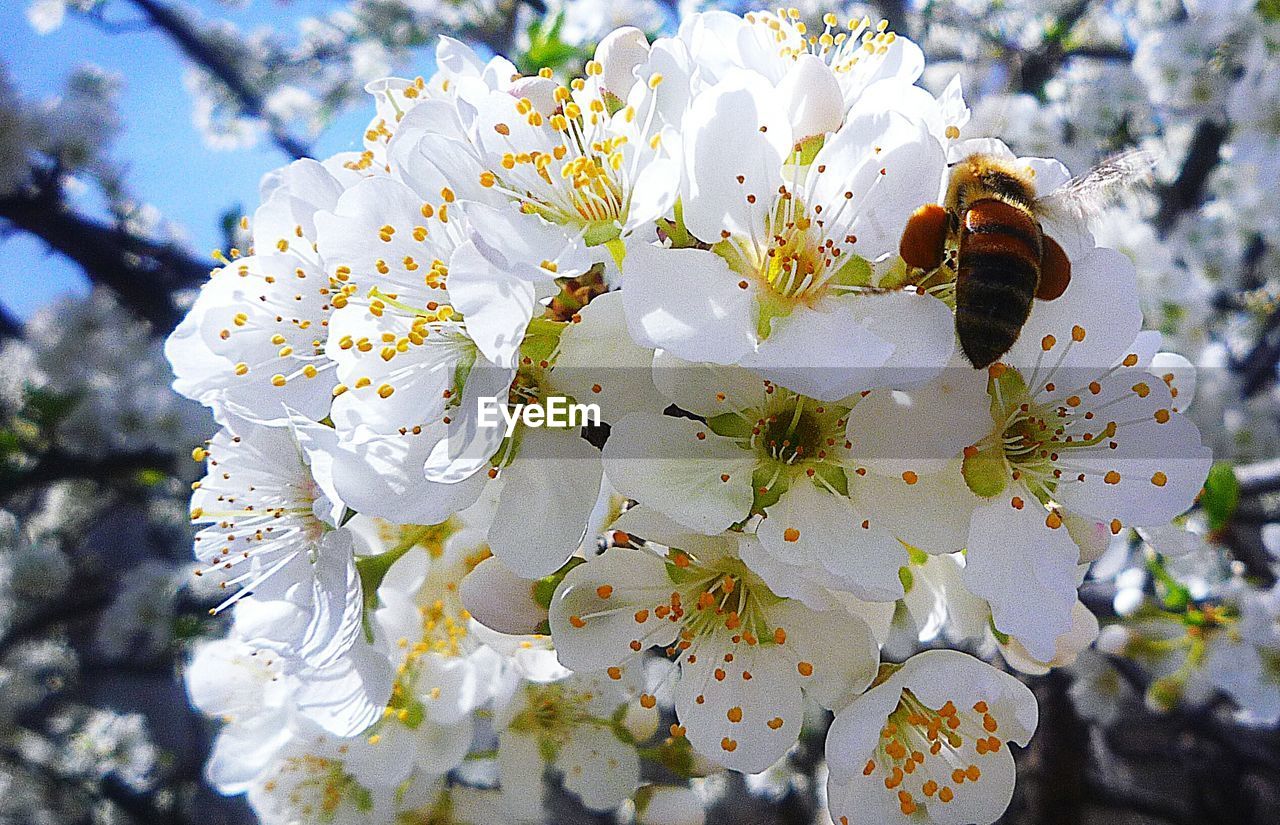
(133, 134)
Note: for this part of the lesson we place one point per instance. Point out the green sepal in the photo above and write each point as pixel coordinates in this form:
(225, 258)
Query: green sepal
(601, 233)
(730, 425)
(541, 338)
(834, 476)
(677, 232)
(762, 476)
(855, 271)
(1002, 638)
(544, 589)
(809, 149)
(985, 471)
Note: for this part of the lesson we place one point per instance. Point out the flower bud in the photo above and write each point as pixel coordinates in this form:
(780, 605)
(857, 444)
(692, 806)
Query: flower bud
(815, 104)
(619, 54)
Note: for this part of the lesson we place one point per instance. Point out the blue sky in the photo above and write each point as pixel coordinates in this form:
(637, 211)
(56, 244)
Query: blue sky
(166, 163)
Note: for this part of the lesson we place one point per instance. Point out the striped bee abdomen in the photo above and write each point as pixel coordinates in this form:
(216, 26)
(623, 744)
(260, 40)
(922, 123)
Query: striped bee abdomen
(998, 270)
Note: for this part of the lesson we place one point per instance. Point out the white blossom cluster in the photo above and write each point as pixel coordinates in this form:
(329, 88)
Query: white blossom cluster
(700, 237)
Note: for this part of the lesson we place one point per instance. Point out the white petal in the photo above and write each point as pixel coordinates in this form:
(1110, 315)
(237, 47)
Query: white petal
(661, 462)
(597, 766)
(349, 696)
(500, 599)
(943, 417)
(724, 142)
(705, 389)
(840, 671)
(849, 548)
(598, 363)
(890, 164)
(1024, 569)
(547, 497)
(496, 306)
(634, 581)
(768, 706)
(814, 101)
(1102, 300)
(687, 301)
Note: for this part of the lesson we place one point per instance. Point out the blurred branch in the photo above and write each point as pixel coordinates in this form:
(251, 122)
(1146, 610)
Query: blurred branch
(1259, 477)
(10, 326)
(144, 273)
(57, 465)
(1187, 189)
(206, 55)
(62, 613)
(1039, 65)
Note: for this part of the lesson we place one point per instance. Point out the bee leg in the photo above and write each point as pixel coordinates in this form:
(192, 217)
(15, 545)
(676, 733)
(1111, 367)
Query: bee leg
(1055, 271)
(924, 239)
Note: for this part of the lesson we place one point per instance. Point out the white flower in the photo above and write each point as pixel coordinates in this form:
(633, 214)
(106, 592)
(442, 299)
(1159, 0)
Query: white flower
(1079, 433)
(670, 805)
(265, 508)
(778, 45)
(787, 287)
(764, 450)
(746, 656)
(1246, 663)
(411, 446)
(443, 671)
(929, 743)
(569, 725)
(255, 338)
(320, 779)
(246, 688)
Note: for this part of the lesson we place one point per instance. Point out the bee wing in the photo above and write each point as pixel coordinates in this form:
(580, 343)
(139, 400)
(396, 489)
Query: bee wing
(1086, 196)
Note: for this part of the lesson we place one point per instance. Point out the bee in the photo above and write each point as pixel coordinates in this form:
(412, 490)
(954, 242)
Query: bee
(988, 233)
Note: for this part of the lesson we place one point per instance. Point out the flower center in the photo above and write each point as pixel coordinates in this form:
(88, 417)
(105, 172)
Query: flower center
(791, 436)
(575, 171)
(795, 261)
(924, 753)
(725, 595)
(842, 48)
(318, 787)
(552, 712)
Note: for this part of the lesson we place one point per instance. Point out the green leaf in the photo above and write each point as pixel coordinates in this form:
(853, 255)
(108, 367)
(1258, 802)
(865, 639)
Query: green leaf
(1221, 494)
(547, 49)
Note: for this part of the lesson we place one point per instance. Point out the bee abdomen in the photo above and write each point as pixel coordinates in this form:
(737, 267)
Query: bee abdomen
(999, 268)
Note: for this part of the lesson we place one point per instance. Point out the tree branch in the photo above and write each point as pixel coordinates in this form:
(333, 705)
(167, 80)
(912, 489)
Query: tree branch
(144, 273)
(209, 58)
(57, 465)
(1186, 192)
(10, 326)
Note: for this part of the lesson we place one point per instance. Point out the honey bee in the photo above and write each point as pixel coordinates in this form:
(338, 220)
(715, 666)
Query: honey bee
(988, 234)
